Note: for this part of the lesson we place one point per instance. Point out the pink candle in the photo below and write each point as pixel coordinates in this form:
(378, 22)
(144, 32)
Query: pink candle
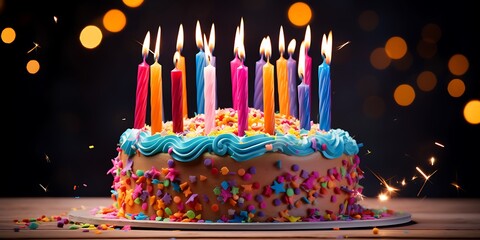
(242, 94)
(308, 63)
(177, 103)
(142, 87)
(234, 64)
(209, 90)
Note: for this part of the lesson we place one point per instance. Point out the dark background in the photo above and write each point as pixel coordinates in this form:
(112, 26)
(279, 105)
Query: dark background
(82, 98)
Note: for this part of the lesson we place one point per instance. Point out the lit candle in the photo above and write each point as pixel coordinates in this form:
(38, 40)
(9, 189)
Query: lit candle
(200, 65)
(324, 96)
(268, 91)
(142, 86)
(210, 91)
(292, 79)
(181, 67)
(234, 64)
(282, 80)
(258, 94)
(303, 92)
(213, 59)
(308, 62)
(156, 99)
(177, 104)
(242, 93)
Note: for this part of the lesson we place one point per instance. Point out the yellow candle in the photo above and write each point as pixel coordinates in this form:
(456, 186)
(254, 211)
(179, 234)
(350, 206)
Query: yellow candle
(268, 91)
(181, 67)
(156, 100)
(282, 80)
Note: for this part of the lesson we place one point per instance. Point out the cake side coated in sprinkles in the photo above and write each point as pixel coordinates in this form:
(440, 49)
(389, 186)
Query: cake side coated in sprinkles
(295, 175)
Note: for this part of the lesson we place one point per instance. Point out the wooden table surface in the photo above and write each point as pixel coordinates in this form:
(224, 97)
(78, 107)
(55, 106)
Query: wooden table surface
(434, 218)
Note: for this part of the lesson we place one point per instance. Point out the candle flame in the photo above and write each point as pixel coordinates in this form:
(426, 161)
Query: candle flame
(327, 47)
(262, 47)
(235, 43)
(146, 45)
(308, 38)
(281, 42)
(180, 38)
(301, 61)
(268, 48)
(198, 36)
(157, 45)
(291, 46)
(242, 31)
(176, 58)
(211, 39)
(241, 52)
(208, 55)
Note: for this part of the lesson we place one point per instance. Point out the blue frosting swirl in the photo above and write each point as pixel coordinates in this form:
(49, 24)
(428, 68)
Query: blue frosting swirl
(332, 144)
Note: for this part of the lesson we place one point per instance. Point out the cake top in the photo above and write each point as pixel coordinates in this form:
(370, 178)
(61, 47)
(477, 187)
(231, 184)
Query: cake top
(289, 139)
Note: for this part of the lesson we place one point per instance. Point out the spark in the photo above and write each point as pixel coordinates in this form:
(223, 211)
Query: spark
(124, 119)
(432, 161)
(383, 197)
(47, 158)
(368, 152)
(91, 147)
(456, 186)
(404, 182)
(383, 181)
(55, 19)
(44, 188)
(439, 144)
(343, 45)
(35, 46)
(426, 178)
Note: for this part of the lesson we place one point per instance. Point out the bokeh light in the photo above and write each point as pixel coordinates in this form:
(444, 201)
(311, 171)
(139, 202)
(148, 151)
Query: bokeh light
(8, 35)
(471, 112)
(114, 20)
(379, 59)
(458, 64)
(426, 49)
(374, 107)
(299, 14)
(90, 37)
(368, 20)
(396, 47)
(404, 63)
(456, 87)
(426, 81)
(404, 95)
(33, 66)
(132, 3)
(431, 33)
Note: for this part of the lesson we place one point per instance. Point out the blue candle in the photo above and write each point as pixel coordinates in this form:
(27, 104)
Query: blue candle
(303, 92)
(200, 66)
(324, 85)
(304, 105)
(258, 87)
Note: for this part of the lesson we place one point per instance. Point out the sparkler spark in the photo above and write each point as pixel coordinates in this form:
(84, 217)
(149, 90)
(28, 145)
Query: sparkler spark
(439, 144)
(44, 188)
(383, 182)
(55, 19)
(432, 161)
(427, 177)
(343, 45)
(47, 158)
(35, 46)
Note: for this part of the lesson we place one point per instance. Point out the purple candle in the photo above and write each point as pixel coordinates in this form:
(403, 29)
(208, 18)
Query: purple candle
(258, 95)
(292, 79)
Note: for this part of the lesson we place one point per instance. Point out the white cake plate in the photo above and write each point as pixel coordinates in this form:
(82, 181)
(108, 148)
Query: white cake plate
(85, 216)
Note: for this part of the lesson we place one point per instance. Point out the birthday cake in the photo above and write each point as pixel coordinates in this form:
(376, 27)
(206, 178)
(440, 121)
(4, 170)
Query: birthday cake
(293, 175)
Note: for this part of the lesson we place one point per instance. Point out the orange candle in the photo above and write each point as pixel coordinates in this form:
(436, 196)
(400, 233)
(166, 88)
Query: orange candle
(156, 99)
(181, 67)
(282, 80)
(268, 91)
